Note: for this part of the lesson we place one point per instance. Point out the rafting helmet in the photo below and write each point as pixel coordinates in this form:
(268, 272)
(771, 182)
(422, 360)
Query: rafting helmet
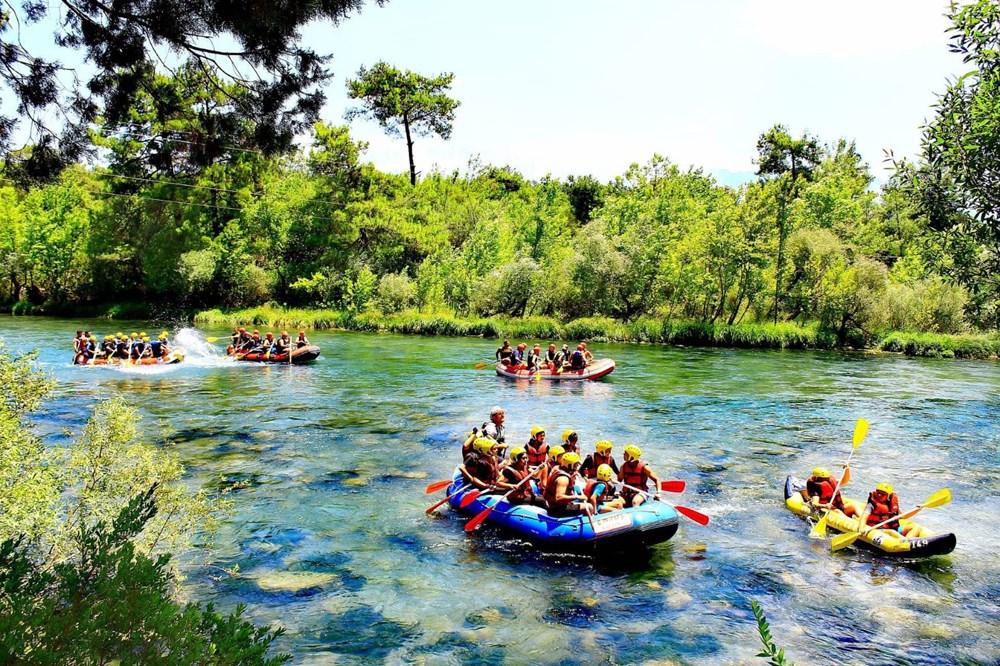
(570, 459)
(516, 453)
(604, 473)
(555, 452)
(821, 473)
(603, 446)
(536, 430)
(93, 338)
(633, 451)
(484, 445)
(884, 487)
(270, 335)
(134, 335)
(163, 336)
(567, 434)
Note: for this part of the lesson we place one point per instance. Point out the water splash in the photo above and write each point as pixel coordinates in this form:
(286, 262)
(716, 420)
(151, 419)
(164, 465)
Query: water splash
(197, 349)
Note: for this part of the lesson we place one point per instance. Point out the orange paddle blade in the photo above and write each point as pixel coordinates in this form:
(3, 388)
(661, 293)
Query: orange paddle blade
(470, 498)
(436, 486)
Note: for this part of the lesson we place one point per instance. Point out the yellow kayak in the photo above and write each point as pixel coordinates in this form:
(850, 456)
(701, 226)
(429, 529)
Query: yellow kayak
(888, 542)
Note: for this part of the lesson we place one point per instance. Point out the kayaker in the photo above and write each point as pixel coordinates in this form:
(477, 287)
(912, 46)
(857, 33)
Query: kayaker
(536, 448)
(560, 494)
(883, 505)
(301, 341)
(588, 358)
(570, 440)
(494, 428)
(534, 358)
(636, 473)
(601, 457)
(576, 361)
(600, 492)
(513, 474)
(550, 358)
(819, 491)
(503, 352)
(547, 469)
(480, 467)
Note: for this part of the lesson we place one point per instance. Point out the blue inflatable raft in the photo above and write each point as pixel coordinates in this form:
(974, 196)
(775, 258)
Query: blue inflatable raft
(628, 529)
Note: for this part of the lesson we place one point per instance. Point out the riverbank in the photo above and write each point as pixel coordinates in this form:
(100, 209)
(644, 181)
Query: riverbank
(642, 330)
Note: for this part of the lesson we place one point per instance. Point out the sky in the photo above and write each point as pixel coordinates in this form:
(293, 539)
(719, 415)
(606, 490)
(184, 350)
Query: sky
(580, 87)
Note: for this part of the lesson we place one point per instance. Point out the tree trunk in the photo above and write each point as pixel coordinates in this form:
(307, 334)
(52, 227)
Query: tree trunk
(409, 150)
(781, 258)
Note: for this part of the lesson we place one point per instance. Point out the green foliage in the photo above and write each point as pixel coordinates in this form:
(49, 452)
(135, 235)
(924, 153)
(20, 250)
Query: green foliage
(110, 602)
(396, 292)
(771, 652)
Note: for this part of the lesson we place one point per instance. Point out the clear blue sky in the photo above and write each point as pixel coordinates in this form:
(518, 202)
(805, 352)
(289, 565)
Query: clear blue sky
(586, 87)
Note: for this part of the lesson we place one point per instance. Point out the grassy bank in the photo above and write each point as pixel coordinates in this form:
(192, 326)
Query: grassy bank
(645, 329)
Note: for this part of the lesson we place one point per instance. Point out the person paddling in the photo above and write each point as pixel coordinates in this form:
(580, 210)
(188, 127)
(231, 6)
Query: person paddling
(560, 494)
(302, 341)
(588, 358)
(494, 428)
(550, 358)
(602, 456)
(819, 492)
(503, 352)
(283, 345)
(548, 468)
(480, 468)
(883, 505)
(536, 447)
(570, 440)
(534, 358)
(636, 473)
(511, 476)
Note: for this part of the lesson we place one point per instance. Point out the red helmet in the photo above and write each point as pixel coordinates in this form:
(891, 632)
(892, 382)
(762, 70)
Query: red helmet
(522, 346)
(538, 347)
(580, 347)
(270, 335)
(302, 334)
(256, 332)
(243, 330)
(551, 347)
(284, 334)
(583, 344)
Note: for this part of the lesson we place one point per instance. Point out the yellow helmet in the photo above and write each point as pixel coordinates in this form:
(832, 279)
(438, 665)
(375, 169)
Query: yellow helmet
(93, 338)
(163, 334)
(604, 473)
(884, 487)
(633, 450)
(143, 335)
(603, 446)
(567, 434)
(555, 452)
(821, 473)
(536, 430)
(119, 334)
(134, 335)
(108, 337)
(570, 459)
(517, 452)
(484, 445)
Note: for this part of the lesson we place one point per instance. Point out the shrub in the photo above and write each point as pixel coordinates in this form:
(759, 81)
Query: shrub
(396, 292)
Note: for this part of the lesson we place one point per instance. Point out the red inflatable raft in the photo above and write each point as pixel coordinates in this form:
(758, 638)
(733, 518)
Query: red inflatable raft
(595, 370)
(300, 355)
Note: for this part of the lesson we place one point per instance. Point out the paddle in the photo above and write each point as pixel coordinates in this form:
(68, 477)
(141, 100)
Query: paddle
(431, 508)
(481, 516)
(481, 366)
(691, 514)
(860, 430)
(841, 541)
(436, 486)
(471, 496)
(211, 339)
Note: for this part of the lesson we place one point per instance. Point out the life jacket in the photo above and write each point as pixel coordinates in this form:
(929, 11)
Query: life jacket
(504, 353)
(536, 455)
(576, 361)
(483, 468)
(550, 489)
(883, 511)
(532, 360)
(550, 356)
(595, 460)
(824, 490)
(634, 474)
(607, 491)
(513, 475)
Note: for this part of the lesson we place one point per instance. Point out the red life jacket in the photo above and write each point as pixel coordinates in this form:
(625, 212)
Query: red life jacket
(550, 489)
(634, 474)
(883, 511)
(589, 469)
(823, 488)
(514, 475)
(536, 456)
(483, 468)
(606, 494)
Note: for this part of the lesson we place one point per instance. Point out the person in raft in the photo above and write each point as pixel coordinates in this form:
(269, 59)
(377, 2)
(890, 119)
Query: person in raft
(600, 492)
(570, 441)
(637, 474)
(550, 358)
(559, 490)
(283, 344)
(301, 341)
(503, 352)
(884, 505)
(588, 358)
(536, 448)
(576, 359)
(534, 358)
(494, 428)
(601, 457)
(819, 492)
(546, 471)
(513, 474)
(480, 468)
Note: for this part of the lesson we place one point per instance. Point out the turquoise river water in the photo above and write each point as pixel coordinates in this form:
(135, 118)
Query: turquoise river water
(332, 543)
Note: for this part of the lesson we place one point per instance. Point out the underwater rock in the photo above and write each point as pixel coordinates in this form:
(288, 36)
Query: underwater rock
(293, 581)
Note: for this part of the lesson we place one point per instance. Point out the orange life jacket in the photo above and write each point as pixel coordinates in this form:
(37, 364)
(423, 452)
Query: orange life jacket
(483, 468)
(589, 469)
(536, 455)
(514, 475)
(550, 489)
(823, 488)
(635, 474)
(883, 511)
(607, 493)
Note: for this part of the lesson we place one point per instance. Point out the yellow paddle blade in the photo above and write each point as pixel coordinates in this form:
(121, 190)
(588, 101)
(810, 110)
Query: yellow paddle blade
(942, 496)
(843, 540)
(819, 529)
(480, 366)
(538, 376)
(211, 338)
(860, 430)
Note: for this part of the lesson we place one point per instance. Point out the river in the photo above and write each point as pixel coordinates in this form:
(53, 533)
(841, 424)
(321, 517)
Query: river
(329, 462)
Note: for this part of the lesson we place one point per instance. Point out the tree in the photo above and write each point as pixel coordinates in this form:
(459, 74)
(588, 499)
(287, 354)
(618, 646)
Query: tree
(788, 159)
(958, 185)
(404, 99)
(125, 40)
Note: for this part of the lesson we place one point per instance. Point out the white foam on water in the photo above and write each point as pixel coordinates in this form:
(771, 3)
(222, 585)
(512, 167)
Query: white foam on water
(197, 350)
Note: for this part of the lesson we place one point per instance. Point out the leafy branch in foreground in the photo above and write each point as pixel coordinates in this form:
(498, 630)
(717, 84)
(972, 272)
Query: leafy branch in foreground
(110, 602)
(775, 656)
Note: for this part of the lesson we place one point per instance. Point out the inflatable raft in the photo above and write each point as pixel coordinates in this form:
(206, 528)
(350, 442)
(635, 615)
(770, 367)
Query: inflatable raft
(595, 370)
(887, 542)
(626, 530)
(300, 355)
(172, 357)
